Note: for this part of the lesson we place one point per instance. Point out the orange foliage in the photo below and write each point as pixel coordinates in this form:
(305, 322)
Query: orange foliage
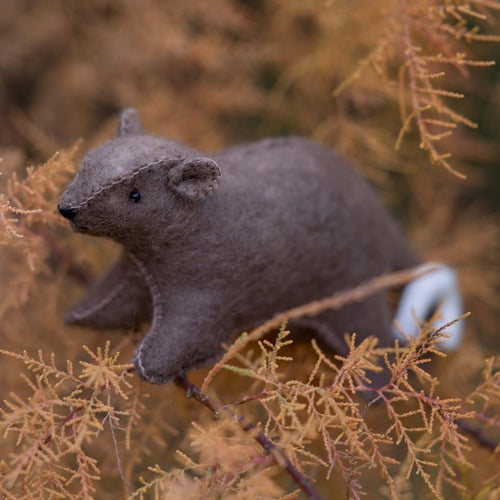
(289, 418)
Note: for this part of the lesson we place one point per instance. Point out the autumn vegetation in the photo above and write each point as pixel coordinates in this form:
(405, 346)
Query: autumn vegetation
(407, 91)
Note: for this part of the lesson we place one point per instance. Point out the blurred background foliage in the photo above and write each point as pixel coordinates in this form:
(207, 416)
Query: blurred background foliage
(212, 73)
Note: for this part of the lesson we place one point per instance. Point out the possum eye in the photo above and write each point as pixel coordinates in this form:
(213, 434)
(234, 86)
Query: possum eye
(135, 196)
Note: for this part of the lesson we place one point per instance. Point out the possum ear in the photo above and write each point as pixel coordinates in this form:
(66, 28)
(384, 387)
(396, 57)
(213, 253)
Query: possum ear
(130, 123)
(194, 179)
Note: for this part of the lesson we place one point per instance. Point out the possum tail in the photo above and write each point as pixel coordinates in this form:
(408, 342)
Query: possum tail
(436, 290)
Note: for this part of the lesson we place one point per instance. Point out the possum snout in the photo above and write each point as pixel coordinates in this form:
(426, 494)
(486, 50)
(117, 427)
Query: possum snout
(69, 213)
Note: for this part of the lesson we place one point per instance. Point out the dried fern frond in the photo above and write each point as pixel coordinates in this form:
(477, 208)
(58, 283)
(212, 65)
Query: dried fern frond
(82, 431)
(326, 408)
(27, 216)
(66, 411)
(316, 418)
(427, 39)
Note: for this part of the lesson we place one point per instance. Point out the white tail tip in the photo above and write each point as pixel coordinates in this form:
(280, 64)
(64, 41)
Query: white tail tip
(422, 296)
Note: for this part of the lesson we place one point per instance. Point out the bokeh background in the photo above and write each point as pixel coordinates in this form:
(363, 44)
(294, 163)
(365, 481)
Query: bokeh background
(213, 73)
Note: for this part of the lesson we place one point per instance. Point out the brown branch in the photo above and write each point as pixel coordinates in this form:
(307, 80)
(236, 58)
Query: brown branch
(278, 456)
(70, 416)
(75, 411)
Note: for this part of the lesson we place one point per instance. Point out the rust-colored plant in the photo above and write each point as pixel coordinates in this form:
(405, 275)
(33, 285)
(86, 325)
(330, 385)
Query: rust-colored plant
(429, 38)
(275, 417)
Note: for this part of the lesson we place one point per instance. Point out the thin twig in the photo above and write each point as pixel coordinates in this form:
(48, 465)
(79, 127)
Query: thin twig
(267, 445)
(115, 446)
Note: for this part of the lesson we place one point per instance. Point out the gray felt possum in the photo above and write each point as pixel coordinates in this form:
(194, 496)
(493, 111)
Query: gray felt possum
(213, 246)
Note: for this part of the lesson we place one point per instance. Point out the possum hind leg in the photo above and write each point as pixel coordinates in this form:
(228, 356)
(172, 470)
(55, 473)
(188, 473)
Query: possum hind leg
(370, 317)
(119, 300)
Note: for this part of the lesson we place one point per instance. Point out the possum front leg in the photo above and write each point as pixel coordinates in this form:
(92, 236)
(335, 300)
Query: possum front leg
(186, 333)
(121, 299)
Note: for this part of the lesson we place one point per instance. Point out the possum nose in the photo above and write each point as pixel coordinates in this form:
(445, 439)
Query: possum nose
(69, 213)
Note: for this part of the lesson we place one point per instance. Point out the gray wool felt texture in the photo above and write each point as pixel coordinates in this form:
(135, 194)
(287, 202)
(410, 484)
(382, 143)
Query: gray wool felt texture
(214, 246)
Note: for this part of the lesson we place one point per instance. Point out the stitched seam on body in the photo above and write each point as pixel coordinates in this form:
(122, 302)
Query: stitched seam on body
(115, 182)
(157, 311)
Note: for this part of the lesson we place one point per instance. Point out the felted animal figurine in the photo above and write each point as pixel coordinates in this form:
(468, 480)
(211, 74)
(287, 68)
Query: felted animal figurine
(216, 245)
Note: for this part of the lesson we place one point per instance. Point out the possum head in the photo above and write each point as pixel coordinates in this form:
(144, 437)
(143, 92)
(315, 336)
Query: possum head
(136, 184)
